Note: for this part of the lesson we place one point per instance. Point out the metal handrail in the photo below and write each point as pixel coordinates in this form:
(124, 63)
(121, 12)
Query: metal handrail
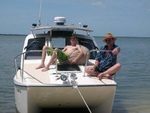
(23, 58)
(22, 61)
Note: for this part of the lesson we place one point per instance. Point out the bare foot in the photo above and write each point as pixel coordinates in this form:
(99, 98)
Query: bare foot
(40, 66)
(100, 76)
(109, 76)
(45, 69)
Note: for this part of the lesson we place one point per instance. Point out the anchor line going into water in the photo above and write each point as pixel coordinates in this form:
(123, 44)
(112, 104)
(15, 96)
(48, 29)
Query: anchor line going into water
(76, 87)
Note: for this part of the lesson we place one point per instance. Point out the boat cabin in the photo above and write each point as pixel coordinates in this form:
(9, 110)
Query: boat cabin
(56, 38)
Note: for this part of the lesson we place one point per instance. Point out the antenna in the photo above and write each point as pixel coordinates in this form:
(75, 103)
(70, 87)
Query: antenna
(40, 13)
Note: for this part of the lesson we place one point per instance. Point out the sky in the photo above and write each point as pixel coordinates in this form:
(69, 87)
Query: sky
(119, 17)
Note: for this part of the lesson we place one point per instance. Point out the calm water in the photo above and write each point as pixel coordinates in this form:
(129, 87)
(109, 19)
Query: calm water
(133, 90)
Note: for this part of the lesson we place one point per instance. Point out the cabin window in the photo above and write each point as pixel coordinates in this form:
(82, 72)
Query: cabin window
(58, 42)
(34, 44)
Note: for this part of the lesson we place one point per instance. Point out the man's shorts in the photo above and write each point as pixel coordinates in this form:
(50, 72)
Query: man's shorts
(60, 55)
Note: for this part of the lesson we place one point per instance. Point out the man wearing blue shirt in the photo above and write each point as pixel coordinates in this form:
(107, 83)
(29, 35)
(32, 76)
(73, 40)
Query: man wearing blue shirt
(106, 60)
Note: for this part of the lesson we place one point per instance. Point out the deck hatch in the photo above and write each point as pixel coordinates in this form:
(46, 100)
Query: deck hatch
(68, 68)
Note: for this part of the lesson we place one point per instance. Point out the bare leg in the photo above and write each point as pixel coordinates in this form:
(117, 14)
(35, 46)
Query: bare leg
(51, 61)
(108, 73)
(42, 65)
(101, 75)
(91, 71)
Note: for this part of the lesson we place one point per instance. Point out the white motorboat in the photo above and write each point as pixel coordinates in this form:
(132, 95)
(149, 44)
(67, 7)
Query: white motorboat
(64, 85)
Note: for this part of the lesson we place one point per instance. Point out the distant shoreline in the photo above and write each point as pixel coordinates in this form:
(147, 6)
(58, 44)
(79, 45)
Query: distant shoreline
(12, 34)
(93, 36)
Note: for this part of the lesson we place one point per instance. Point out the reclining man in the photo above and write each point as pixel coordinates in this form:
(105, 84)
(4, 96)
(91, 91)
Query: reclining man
(62, 55)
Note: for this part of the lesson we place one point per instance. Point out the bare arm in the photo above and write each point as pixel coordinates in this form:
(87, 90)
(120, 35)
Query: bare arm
(79, 55)
(64, 49)
(116, 51)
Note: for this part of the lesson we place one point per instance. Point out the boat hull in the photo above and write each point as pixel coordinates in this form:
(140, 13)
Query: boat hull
(33, 99)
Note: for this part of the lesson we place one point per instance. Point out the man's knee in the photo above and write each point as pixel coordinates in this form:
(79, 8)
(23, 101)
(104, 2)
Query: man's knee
(118, 65)
(88, 69)
(45, 47)
(56, 49)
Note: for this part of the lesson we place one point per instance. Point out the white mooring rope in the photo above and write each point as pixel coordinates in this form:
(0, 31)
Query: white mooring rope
(84, 101)
(75, 86)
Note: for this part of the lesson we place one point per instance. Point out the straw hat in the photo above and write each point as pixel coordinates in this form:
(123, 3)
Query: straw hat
(109, 36)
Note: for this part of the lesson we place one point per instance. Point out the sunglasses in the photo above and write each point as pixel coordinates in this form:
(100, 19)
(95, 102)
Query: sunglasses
(108, 40)
(73, 38)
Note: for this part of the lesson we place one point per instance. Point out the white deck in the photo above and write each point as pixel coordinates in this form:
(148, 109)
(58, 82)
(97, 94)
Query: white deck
(34, 77)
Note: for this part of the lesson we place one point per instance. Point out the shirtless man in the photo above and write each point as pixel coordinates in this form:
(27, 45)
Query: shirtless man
(61, 54)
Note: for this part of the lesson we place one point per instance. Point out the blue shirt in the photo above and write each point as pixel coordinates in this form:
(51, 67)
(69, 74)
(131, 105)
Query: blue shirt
(106, 61)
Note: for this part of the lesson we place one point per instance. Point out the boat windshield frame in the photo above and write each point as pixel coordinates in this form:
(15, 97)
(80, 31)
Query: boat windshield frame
(61, 27)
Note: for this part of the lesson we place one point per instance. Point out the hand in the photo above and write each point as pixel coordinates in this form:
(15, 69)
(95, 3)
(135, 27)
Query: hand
(73, 61)
(116, 51)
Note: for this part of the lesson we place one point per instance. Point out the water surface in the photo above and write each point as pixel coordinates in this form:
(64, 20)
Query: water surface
(133, 90)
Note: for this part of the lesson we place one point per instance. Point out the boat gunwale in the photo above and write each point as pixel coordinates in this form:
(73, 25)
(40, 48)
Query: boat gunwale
(51, 85)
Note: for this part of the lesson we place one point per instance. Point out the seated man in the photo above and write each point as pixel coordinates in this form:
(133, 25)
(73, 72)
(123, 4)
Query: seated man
(105, 64)
(61, 55)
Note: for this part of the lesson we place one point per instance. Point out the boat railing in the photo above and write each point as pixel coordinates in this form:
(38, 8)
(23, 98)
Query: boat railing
(22, 57)
(20, 66)
(87, 59)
